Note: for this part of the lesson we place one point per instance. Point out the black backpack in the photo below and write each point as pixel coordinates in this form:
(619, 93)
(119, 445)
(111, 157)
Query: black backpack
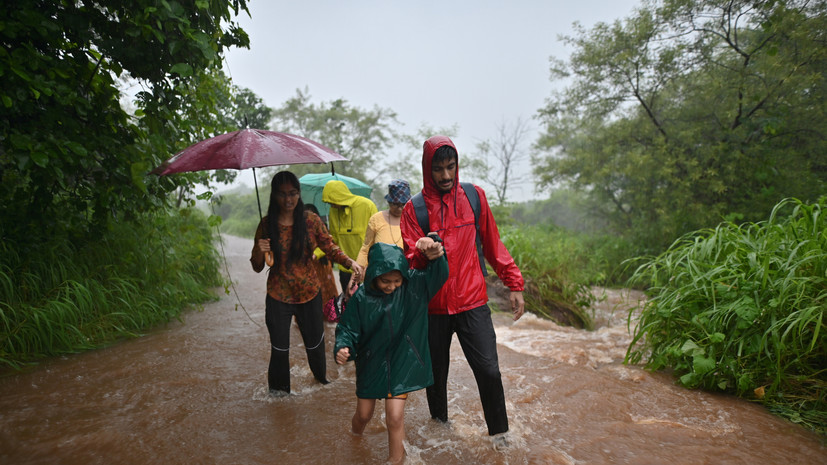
(421, 210)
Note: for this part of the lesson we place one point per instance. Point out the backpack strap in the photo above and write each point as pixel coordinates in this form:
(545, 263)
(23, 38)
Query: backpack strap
(474, 200)
(421, 210)
(418, 202)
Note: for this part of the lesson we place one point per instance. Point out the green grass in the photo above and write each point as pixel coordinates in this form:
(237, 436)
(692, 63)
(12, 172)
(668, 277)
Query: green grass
(239, 212)
(560, 267)
(66, 296)
(741, 309)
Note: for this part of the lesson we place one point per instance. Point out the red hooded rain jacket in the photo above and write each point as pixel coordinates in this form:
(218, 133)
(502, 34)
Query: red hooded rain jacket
(451, 216)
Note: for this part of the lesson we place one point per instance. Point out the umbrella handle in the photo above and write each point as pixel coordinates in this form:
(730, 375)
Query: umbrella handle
(268, 258)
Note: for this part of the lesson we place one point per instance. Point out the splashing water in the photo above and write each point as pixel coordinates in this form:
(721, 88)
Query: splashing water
(196, 393)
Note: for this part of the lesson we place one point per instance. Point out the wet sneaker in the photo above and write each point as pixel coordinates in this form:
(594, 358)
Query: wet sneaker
(501, 442)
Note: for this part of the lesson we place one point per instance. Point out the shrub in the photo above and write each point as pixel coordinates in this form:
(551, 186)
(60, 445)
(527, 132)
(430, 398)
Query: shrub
(740, 309)
(66, 295)
(559, 268)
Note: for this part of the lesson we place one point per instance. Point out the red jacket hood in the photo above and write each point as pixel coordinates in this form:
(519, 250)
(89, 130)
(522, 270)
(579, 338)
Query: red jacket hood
(428, 149)
(452, 217)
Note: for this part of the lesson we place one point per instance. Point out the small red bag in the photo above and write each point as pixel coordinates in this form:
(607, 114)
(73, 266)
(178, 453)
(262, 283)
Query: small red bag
(334, 307)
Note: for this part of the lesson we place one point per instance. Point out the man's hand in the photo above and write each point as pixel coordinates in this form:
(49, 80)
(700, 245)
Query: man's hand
(517, 304)
(430, 248)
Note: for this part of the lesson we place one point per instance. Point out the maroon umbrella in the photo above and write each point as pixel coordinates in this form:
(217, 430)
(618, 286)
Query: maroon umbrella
(248, 148)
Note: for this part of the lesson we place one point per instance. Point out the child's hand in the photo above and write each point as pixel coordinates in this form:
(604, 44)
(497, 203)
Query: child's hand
(430, 248)
(352, 286)
(342, 355)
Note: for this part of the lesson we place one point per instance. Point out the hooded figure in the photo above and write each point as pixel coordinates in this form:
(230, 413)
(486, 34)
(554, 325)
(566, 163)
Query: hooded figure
(460, 307)
(388, 333)
(348, 220)
(451, 216)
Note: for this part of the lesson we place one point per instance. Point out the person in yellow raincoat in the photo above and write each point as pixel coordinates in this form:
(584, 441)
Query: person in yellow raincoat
(349, 216)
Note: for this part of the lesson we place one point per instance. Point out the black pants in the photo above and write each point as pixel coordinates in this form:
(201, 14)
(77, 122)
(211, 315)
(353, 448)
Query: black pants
(475, 332)
(344, 279)
(279, 317)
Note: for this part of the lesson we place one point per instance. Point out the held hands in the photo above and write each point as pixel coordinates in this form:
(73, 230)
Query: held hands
(430, 248)
(356, 278)
(342, 355)
(358, 271)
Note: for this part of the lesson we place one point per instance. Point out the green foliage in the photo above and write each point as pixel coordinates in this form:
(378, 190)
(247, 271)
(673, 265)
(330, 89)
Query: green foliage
(250, 110)
(239, 212)
(559, 268)
(71, 157)
(361, 136)
(64, 296)
(692, 111)
(565, 208)
(597, 256)
(209, 106)
(742, 308)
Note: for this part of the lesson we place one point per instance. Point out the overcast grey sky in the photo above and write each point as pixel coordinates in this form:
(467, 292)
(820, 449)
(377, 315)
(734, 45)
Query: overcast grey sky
(476, 64)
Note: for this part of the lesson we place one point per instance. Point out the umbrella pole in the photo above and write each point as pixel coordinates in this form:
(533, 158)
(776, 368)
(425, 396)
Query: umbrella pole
(258, 201)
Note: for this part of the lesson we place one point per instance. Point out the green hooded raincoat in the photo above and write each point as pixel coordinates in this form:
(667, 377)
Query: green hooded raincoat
(388, 333)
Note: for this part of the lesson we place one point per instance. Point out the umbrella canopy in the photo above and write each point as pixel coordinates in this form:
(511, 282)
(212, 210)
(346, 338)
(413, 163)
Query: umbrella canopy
(313, 184)
(248, 148)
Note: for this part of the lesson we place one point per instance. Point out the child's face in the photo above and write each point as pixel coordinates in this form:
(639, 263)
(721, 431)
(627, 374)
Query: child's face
(389, 281)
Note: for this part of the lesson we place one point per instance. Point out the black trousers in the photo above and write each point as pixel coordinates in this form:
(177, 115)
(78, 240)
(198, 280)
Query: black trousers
(279, 317)
(344, 279)
(475, 332)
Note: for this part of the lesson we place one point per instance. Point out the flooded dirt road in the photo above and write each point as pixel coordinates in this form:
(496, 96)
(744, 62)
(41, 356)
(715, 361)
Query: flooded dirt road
(195, 393)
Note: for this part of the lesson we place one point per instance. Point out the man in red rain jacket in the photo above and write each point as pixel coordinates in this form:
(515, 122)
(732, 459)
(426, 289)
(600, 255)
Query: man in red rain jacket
(461, 305)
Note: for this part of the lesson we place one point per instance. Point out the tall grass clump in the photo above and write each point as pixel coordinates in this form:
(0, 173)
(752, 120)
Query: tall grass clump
(69, 295)
(741, 309)
(559, 268)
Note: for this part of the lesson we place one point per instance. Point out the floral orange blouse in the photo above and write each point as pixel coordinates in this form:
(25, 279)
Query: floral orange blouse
(298, 282)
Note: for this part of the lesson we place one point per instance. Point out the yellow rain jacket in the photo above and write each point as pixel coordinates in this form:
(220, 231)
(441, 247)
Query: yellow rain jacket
(349, 222)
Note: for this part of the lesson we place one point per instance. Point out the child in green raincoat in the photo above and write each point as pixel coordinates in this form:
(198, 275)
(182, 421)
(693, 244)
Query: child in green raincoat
(384, 329)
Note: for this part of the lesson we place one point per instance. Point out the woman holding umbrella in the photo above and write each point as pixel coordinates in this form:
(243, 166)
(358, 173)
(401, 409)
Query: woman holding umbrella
(291, 234)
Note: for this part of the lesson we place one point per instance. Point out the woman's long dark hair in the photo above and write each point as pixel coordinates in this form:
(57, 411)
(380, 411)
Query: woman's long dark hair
(298, 243)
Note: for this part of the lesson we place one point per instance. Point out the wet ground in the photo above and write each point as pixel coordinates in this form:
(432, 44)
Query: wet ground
(195, 393)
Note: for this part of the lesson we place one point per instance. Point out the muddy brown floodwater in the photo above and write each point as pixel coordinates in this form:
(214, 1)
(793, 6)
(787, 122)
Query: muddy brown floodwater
(195, 393)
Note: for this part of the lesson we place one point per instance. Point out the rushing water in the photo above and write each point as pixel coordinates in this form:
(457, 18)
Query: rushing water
(195, 393)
